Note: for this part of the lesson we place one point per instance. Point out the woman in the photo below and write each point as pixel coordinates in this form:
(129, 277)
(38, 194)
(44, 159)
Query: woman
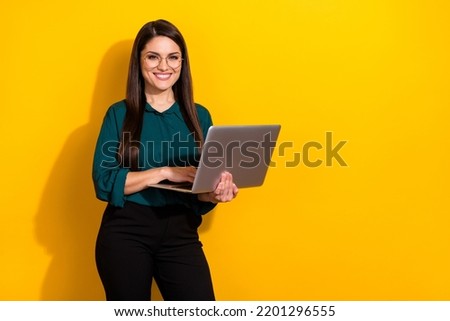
(155, 134)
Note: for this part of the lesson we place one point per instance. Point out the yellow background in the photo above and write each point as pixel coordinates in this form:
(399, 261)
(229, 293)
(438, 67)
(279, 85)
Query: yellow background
(375, 73)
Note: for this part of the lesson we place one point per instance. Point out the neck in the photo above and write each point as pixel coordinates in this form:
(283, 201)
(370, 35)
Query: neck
(160, 101)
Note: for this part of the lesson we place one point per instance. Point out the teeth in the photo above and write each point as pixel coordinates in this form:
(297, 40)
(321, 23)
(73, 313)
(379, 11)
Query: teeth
(162, 76)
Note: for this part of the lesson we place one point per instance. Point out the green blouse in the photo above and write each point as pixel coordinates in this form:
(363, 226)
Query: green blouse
(165, 141)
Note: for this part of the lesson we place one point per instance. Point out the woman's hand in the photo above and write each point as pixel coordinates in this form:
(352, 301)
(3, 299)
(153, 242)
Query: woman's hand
(225, 191)
(180, 174)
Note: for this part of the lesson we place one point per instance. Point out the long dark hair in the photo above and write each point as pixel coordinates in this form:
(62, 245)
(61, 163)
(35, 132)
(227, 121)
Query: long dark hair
(135, 95)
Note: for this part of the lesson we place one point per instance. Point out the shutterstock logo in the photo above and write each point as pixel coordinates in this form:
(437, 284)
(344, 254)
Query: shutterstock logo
(243, 153)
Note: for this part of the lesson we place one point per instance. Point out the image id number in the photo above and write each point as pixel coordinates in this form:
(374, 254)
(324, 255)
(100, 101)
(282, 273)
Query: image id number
(295, 311)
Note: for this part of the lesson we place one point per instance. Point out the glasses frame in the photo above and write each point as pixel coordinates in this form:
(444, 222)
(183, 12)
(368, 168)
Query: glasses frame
(147, 62)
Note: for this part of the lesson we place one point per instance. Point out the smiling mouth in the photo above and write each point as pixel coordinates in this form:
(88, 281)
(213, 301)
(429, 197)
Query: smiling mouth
(162, 76)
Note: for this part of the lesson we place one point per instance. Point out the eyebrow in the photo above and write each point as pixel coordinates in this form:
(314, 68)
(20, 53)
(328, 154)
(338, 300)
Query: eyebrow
(156, 53)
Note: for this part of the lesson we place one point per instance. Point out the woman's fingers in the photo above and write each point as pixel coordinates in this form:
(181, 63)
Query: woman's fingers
(226, 190)
(181, 174)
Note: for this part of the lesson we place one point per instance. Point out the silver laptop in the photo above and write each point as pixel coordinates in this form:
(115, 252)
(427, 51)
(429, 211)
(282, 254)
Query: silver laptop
(244, 151)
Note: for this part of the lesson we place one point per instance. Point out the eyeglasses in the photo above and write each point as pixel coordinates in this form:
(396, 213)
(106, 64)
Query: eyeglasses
(152, 60)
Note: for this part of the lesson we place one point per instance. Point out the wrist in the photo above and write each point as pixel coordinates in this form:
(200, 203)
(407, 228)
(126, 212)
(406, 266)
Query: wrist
(163, 173)
(155, 175)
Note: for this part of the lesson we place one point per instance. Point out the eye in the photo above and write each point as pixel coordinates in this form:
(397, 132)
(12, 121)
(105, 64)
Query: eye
(152, 57)
(174, 58)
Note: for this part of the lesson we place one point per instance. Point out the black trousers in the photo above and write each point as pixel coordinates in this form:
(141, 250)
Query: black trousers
(137, 243)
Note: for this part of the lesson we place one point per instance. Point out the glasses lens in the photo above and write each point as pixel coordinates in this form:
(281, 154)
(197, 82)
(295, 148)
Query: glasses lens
(174, 61)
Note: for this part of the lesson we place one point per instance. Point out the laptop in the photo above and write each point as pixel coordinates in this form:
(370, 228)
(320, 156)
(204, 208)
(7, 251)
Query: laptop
(244, 151)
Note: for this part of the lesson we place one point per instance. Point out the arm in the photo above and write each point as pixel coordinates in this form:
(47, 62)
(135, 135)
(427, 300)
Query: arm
(138, 181)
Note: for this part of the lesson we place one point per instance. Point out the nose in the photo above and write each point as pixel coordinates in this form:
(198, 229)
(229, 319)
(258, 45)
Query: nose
(163, 64)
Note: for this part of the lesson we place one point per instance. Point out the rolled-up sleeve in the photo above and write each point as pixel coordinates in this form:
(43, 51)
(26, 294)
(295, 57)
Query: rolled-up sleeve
(108, 176)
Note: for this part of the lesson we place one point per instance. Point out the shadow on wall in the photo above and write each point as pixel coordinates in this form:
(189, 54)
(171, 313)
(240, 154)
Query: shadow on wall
(69, 214)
